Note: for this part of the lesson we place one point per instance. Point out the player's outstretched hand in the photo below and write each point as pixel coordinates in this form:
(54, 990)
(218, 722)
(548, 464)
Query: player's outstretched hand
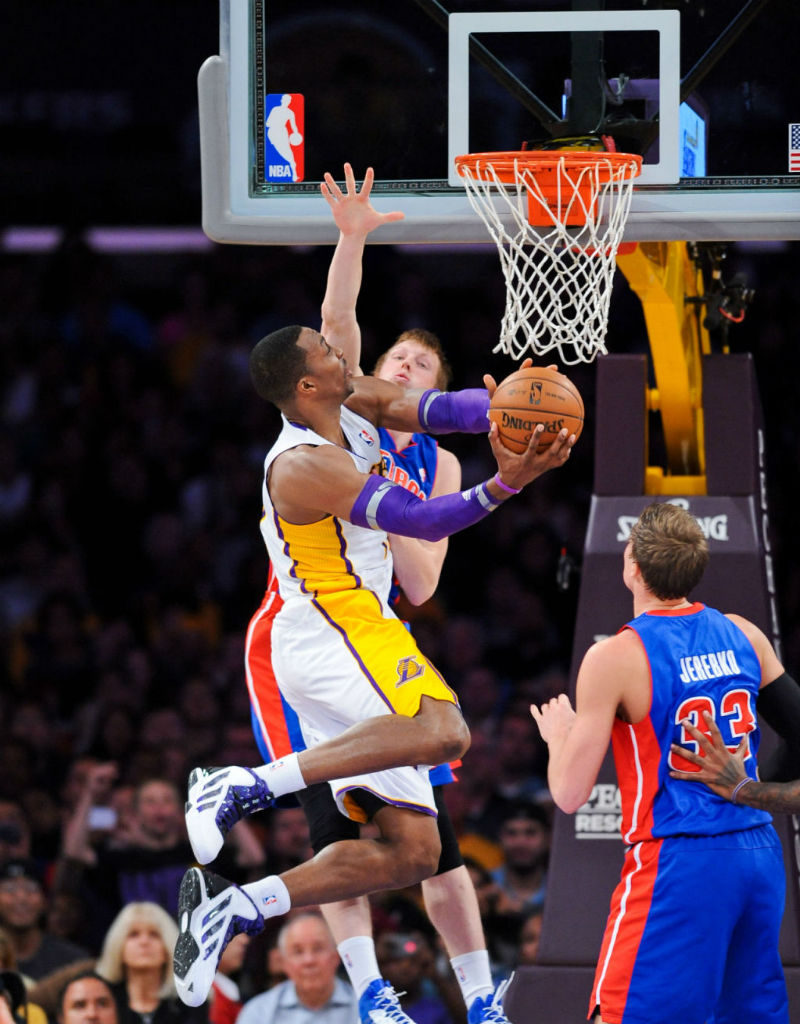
(555, 718)
(518, 469)
(352, 210)
(720, 769)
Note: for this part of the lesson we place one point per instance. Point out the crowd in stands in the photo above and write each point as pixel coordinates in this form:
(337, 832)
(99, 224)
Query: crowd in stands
(131, 446)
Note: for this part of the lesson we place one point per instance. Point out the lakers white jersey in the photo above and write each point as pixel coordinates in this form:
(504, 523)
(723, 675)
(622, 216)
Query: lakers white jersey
(331, 555)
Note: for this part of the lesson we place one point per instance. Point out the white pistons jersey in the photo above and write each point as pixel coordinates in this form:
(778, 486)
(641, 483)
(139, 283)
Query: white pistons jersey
(330, 555)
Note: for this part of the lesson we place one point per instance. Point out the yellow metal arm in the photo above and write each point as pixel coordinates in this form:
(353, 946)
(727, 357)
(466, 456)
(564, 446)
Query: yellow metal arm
(663, 275)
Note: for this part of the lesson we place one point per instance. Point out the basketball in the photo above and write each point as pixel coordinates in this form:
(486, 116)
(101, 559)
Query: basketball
(295, 139)
(535, 395)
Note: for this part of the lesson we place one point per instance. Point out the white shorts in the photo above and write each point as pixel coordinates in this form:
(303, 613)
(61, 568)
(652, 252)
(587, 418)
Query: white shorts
(341, 659)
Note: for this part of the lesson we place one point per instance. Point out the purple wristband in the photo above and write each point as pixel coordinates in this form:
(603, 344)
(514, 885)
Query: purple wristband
(505, 487)
(445, 412)
(737, 787)
(382, 505)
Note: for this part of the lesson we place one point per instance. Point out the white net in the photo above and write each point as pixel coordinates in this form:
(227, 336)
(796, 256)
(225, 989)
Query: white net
(558, 271)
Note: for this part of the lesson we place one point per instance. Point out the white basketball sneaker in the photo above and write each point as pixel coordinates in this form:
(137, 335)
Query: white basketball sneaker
(211, 911)
(218, 798)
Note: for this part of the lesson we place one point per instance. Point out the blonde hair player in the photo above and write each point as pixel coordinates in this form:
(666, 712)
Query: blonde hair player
(692, 934)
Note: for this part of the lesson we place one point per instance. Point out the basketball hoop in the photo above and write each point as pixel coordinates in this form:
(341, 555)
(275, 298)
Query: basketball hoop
(557, 217)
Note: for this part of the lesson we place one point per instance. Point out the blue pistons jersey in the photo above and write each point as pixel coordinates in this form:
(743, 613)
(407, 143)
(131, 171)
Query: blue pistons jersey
(699, 661)
(689, 848)
(413, 467)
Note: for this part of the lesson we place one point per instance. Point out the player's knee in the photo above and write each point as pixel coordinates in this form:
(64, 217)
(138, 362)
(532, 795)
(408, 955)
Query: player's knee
(447, 732)
(420, 862)
(455, 740)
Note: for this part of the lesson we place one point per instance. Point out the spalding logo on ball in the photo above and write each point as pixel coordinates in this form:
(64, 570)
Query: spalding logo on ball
(531, 396)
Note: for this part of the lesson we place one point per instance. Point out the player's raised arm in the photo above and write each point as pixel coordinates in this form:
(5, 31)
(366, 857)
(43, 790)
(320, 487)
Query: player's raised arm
(356, 218)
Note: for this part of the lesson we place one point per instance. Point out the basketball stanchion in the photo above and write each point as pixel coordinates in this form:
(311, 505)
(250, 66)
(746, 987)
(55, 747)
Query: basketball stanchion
(557, 218)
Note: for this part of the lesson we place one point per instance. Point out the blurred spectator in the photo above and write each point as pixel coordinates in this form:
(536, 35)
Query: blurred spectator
(529, 935)
(288, 842)
(109, 860)
(108, 863)
(520, 758)
(17, 767)
(29, 722)
(48, 990)
(312, 989)
(137, 960)
(525, 841)
(201, 711)
(66, 916)
(25, 581)
(23, 907)
(15, 832)
(60, 652)
(14, 995)
(8, 957)
(87, 999)
(482, 695)
(115, 731)
(15, 484)
(13, 987)
(43, 814)
(521, 880)
(407, 962)
(6, 1009)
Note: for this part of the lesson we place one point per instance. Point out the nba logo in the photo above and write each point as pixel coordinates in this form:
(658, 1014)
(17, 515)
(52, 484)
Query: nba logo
(284, 124)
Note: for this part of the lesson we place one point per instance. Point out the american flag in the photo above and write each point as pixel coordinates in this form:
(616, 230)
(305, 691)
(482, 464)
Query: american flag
(794, 148)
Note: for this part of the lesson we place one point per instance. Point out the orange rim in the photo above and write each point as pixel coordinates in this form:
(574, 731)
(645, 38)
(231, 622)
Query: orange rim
(504, 164)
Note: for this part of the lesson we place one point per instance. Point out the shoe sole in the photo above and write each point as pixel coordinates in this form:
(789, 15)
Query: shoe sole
(187, 952)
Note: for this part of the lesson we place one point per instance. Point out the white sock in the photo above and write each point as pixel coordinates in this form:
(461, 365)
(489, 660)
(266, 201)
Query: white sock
(474, 975)
(282, 776)
(360, 962)
(270, 895)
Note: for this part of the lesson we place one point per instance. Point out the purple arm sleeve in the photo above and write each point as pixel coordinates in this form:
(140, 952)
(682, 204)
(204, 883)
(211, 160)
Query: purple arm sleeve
(445, 412)
(382, 505)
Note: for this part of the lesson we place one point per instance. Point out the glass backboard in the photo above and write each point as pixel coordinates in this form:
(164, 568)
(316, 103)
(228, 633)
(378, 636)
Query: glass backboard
(706, 93)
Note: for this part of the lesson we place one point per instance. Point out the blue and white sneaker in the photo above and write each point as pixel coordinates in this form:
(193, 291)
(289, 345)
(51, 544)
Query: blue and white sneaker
(379, 1005)
(211, 910)
(489, 1009)
(218, 798)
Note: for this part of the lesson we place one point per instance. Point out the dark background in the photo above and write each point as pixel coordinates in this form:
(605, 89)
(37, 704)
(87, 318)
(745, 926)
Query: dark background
(98, 101)
(98, 110)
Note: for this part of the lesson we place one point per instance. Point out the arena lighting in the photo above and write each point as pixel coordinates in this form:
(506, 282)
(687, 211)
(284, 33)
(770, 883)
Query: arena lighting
(31, 240)
(108, 239)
